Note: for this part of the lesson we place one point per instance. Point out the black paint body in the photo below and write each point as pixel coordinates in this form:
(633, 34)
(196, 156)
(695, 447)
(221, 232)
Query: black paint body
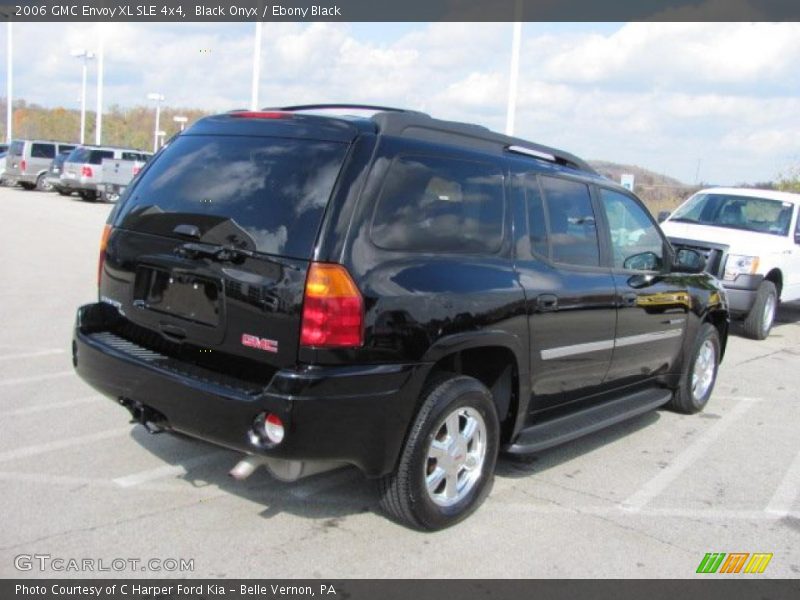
(422, 311)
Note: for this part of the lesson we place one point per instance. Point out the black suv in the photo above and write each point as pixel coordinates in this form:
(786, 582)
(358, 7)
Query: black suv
(395, 292)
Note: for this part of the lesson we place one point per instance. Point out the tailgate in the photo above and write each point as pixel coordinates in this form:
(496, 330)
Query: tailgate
(251, 309)
(211, 246)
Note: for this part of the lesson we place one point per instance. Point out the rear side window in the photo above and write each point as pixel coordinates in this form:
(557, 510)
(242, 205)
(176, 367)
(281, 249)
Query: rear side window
(432, 204)
(16, 148)
(43, 151)
(96, 156)
(573, 229)
(65, 148)
(256, 193)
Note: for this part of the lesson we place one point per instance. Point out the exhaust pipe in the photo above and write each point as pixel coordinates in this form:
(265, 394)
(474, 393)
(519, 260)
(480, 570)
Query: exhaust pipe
(245, 467)
(282, 469)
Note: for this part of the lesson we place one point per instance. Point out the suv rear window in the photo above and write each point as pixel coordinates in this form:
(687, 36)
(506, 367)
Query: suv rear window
(89, 156)
(257, 193)
(432, 204)
(16, 148)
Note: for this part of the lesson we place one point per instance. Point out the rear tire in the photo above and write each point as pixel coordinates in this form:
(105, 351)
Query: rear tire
(27, 186)
(699, 373)
(759, 320)
(88, 196)
(64, 192)
(447, 466)
(41, 183)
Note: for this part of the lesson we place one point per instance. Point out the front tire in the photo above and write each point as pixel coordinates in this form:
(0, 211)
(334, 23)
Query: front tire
(447, 466)
(699, 373)
(759, 320)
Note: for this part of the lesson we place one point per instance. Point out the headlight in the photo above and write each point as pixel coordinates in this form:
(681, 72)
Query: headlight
(740, 265)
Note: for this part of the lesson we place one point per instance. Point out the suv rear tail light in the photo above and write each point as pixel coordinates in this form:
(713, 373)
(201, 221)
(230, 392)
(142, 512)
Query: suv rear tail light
(102, 258)
(22, 164)
(136, 169)
(86, 171)
(333, 309)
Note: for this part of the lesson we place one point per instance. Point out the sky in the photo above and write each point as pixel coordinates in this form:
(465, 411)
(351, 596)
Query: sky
(711, 102)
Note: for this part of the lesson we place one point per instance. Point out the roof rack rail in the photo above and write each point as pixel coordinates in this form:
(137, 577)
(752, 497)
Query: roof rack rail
(301, 107)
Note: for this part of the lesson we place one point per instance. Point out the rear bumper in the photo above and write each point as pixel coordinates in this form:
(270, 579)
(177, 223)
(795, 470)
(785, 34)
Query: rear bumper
(17, 178)
(76, 185)
(742, 292)
(357, 415)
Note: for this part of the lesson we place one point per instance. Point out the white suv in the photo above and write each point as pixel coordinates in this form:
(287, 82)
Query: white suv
(751, 241)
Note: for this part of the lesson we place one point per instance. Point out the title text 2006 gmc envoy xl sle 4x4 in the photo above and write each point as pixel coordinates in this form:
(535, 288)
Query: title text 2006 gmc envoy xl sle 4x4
(391, 291)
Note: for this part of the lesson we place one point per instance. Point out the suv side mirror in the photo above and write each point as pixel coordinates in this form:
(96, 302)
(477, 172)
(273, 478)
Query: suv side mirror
(688, 261)
(643, 261)
(662, 216)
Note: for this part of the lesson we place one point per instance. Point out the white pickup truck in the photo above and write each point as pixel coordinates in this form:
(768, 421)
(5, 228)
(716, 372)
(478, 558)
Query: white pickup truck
(751, 241)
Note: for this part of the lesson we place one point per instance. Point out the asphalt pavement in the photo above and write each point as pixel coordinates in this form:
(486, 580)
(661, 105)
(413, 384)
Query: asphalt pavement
(647, 498)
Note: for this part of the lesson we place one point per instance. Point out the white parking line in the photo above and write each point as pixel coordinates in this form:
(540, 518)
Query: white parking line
(72, 442)
(787, 492)
(32, 354)
(19, 380)
(609, 511)
(167, 470)
(29, 410)
(685, 459)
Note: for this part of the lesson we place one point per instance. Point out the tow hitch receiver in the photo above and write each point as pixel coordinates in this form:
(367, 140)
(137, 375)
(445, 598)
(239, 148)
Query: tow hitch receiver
(152, 420)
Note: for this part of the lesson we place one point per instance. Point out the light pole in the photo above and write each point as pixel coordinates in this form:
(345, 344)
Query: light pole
(256, 68)
(513, 75)
(86, 56)
(9, 74)
(98, 123)
(180, 119)
(159, 98)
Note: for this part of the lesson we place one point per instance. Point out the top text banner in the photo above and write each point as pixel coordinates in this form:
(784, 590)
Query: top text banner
(399, 10)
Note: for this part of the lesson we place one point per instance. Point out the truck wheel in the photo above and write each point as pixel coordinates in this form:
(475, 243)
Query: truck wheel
(759, 320)
(88, 196)
(27, 186)
(64, 192)
(447, 465)
(42, 184)
(699, 373)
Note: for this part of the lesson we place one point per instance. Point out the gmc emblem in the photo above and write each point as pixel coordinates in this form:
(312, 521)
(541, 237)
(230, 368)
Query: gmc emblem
(252, 341)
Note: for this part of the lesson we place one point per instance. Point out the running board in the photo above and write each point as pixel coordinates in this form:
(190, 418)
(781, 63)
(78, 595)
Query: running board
(563, 429)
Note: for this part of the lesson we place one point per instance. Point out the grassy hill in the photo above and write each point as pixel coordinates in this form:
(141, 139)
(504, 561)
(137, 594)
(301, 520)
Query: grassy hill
(659, 192)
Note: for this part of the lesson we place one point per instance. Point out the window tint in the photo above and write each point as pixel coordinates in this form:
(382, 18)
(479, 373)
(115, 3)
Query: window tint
(635, 242)
(573, 231)
(96, 156)
(65, 148)
(257, 193)
(43, 151)
(131, 156)
(537, 225)
(431, 204)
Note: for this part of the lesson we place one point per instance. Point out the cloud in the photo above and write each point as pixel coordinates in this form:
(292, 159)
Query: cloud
(660, 95)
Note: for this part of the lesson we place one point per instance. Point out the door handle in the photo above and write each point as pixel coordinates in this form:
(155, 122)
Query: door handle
(629, 299)
(547, 302)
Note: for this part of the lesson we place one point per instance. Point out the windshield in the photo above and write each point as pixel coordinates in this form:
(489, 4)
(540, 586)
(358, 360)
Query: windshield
(761, 215)
(255, 193)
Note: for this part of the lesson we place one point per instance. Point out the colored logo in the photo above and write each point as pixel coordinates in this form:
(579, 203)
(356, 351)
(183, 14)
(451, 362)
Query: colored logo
(252, 341)
(735, 562)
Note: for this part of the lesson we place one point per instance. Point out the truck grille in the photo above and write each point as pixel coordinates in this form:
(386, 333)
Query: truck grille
(715, 254)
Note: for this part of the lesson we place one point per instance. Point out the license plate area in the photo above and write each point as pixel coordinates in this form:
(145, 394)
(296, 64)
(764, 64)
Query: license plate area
(178, 293)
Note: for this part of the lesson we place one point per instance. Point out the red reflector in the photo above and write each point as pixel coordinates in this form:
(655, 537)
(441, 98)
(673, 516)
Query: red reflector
(22, 165)
(86, 171)
(333, 310)
(255, 114)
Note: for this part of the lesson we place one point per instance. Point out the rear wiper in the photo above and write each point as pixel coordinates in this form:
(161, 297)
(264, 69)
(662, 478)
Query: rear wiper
(216, 252)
